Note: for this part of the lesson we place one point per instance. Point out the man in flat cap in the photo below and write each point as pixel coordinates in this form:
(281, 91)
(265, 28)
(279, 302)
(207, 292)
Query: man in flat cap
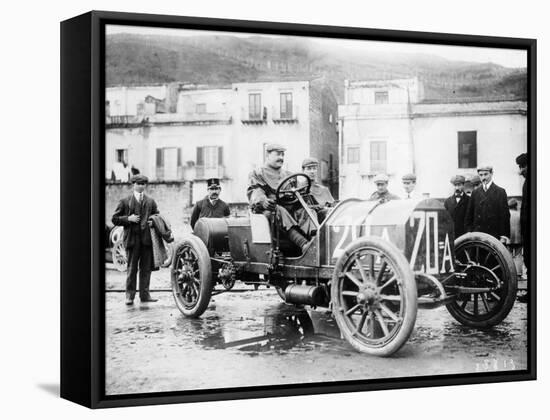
(320, 196)
(409, 185)
(522, 162)
(211, 205)
(133, 213)
(471, 183)
(457, 204)
(382, 194)
(488, 208)
(262, 185)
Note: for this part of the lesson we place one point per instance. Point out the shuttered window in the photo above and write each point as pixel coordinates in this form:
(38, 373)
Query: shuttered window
(467, 149)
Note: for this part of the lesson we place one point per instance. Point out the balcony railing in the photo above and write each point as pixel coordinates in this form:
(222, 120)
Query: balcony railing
(289, 117)
(248, 118)
(202, 172)
(114, 121)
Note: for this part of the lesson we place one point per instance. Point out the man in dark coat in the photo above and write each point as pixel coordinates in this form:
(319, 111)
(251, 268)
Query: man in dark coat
(488, 208)
(133, 213)
(262, 185)
(457, 204)
(522, 161)
(211, 205)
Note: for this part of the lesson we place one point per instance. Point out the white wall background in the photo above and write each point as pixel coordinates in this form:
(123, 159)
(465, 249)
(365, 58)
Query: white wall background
(30, 164)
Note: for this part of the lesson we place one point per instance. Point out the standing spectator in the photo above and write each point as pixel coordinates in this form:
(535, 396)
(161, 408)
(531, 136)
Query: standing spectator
(212, 205)
(471, 183)
(522, 161)
(133, 213)
(382, 194)
(488, 208)
(457, 204)
(409, 185)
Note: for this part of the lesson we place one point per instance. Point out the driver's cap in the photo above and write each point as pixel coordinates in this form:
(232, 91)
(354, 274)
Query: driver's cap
(381, 178)
(309, 162)
(274, 147)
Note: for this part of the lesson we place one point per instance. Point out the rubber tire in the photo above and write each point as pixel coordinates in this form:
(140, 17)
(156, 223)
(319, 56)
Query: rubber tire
(205, 274)
(512, 280)
(393, 254)
(116, 250)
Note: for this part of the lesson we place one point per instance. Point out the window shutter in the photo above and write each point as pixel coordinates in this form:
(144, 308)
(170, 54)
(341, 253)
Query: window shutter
(160, 162)
(220, 156)
(200, 156)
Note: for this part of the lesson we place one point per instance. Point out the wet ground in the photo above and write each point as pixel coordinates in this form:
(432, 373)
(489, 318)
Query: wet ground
(251, 338)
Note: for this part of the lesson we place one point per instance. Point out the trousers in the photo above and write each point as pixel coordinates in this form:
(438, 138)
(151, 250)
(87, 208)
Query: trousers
(139, 257)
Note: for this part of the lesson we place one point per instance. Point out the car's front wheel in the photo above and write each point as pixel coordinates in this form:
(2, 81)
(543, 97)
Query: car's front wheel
(373, 296)
(191, 276)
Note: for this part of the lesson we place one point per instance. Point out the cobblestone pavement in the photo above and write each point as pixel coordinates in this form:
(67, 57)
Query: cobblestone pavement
(251, 338)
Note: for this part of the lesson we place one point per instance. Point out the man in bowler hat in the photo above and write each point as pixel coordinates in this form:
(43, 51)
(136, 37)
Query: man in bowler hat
(488, 208)
(457, 204)
(211, 205)
(133, 213)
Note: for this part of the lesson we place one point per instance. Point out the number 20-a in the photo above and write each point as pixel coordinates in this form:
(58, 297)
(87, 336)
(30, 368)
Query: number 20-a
(428, 227)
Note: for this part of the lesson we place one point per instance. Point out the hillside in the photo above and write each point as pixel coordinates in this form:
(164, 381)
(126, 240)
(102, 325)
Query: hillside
(221, 60)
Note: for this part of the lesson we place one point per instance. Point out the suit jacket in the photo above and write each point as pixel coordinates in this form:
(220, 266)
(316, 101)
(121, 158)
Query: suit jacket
(134, 232)
(458, 212)
(204, 208)
(488, 212)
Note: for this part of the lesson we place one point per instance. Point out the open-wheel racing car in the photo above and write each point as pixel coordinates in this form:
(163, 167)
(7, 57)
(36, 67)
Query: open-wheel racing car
(372, 263)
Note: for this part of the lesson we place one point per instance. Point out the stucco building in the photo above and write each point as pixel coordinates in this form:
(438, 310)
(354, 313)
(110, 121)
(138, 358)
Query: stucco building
(389, 127)
(222, 132)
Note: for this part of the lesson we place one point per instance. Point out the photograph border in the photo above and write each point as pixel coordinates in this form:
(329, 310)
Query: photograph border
(82, 182)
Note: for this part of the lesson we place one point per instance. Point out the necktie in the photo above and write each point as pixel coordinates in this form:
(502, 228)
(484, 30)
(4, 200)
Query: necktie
(140, 198)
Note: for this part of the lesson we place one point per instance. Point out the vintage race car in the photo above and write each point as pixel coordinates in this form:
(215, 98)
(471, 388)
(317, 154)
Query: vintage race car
(372, 263)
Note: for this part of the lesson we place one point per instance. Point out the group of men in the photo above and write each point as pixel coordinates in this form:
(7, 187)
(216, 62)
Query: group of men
(477, 204)
(482, 207)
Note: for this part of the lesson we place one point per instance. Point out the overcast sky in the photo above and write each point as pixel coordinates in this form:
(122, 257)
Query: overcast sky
(504, 57)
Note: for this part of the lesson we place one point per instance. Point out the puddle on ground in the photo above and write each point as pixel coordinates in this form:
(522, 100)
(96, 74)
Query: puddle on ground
(280, 328)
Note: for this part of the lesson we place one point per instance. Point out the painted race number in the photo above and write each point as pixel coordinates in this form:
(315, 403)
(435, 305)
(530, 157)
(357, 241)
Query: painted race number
(425, 225)
(425, 255)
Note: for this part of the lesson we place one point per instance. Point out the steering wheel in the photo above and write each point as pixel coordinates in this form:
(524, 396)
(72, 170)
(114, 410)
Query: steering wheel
(292, 184)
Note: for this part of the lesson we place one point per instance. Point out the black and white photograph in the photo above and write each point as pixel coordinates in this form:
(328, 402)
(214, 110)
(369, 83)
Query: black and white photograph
(289, 210)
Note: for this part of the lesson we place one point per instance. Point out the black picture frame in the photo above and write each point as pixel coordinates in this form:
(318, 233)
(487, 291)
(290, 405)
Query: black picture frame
(82, 209)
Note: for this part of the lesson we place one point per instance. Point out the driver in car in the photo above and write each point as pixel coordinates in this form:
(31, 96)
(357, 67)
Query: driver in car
(262, 185)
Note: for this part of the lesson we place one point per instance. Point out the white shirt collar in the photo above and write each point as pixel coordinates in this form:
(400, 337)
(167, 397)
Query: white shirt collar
(138, 195)
(488, 185)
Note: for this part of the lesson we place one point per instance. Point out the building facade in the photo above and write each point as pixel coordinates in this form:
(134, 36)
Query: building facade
(222, 132)
(388, 127)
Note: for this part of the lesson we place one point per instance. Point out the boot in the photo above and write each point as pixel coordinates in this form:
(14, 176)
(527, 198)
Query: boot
(146, 297)
(297, 238)
(129, 299)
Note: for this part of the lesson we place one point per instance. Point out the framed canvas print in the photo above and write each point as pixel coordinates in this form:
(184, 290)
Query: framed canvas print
(254, 209)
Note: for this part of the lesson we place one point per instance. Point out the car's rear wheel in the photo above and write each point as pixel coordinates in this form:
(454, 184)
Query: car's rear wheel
(488, 264)
(373, 296)
(191, 276)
